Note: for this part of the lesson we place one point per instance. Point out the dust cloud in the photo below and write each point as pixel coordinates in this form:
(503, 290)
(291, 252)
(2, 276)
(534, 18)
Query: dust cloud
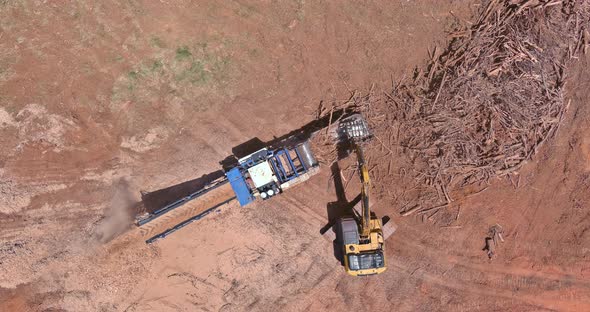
(118, 215)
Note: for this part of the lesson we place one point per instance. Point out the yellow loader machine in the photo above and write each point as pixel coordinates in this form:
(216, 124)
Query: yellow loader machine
(360, 236)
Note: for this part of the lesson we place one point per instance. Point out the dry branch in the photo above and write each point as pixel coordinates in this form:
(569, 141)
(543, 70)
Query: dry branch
(484, 106)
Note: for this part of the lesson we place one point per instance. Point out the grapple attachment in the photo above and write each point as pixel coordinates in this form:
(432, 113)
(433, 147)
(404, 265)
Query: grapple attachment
(353, 129)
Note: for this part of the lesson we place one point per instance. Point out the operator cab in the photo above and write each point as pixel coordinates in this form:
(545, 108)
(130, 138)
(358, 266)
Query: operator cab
(366, 261)
(356, 258)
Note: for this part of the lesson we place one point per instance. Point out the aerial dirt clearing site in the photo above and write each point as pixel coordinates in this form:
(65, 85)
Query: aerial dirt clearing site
(295, 155)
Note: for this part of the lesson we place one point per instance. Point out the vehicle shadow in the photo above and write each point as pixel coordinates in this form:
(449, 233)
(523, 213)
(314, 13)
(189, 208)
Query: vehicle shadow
(155, 200)
(336, 210)
(287, 140)
(152, 201)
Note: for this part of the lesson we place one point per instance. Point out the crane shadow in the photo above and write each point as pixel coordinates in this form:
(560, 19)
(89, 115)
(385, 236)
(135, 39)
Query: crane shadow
(287, 140)
(338, 209)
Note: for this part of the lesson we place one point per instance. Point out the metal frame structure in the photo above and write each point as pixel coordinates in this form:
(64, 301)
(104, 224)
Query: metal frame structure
(286, 170)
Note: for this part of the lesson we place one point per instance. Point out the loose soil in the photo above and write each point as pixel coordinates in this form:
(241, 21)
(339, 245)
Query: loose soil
(101, 101)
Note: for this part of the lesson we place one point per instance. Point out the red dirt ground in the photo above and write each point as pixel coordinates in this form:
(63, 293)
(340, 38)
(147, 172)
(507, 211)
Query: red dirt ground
(157, 92)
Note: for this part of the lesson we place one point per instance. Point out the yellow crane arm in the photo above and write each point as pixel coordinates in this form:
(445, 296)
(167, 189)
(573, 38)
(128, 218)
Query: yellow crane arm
(366, 183)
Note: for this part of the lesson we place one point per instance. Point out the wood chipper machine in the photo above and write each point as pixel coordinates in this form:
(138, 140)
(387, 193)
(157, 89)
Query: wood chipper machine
(261, 175)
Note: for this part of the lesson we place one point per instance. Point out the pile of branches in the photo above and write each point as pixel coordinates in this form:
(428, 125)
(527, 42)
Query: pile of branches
(485, 104)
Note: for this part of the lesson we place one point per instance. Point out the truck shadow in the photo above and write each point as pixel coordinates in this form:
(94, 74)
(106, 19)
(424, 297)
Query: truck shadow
(285, 141)
(152, 201)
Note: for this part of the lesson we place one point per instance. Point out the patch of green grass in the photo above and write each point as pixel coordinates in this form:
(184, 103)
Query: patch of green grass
(101, 30)
(87, 68)
(245, 11)
(204, 66)
(183, 53)
(253, 53)
(157, 65)
(185, 72)
(220, 64)
(300, 13)
(132, 79)
(227, 43)
(133, 75)
(196, 73)
(157, 42)
(6, 73)
(9, 106)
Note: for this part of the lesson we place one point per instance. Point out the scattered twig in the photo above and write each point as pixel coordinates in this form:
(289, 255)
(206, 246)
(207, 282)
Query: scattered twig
(432, 208)
(442, 83)
(451, 226)
(411, 210)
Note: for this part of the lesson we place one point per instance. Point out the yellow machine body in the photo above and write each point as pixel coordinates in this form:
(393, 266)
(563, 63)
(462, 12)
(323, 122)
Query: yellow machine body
(373, 245)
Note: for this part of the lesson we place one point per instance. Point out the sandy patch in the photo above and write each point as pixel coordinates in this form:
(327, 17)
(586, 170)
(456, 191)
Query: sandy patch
(151, 140)
(6, 119)
(37, 126)
(14, 197)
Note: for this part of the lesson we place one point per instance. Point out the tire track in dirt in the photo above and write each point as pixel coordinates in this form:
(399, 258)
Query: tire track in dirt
(298, 268)
(308, 264)
(460, 273)
(567, 301)
(45, 215)
(493, 279)
(31, 169)
(492, 268)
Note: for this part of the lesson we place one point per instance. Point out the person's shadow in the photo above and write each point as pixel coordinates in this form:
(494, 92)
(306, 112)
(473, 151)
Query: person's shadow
(338, 209)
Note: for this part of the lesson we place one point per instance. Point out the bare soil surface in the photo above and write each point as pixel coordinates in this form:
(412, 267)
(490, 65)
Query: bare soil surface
(99, 101)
